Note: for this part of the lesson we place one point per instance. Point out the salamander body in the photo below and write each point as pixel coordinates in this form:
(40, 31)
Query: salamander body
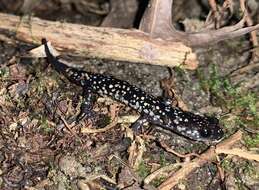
(151, 109)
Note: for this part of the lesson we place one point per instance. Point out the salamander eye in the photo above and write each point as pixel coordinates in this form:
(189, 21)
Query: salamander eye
(205, 133)
(213, 120)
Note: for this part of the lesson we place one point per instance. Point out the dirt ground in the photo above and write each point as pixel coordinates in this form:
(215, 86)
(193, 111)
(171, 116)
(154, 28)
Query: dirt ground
(38, 150)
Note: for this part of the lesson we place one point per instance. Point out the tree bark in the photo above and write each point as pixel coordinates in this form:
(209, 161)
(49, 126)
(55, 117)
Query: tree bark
(101, 42)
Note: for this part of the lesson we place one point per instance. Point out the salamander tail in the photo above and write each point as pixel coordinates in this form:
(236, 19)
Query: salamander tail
(59, 66)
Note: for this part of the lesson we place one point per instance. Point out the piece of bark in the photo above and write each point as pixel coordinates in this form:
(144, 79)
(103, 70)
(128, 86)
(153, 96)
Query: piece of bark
(101, 42)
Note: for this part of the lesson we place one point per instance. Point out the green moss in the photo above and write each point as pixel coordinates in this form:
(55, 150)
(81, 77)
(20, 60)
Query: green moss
(230, 97)
(156, 182)
(104, 121)
(241, 168)
(162, 160)
(143, 170)
(179, 70)
(44, 125)
(228, 165)
(4, 72)
(251, 141)
(249, 169)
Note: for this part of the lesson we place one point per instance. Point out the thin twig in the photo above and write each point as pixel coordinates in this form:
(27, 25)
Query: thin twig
(69, 129)
(238, 152)
(249, 22)
(161, 172)
(168, 149)
(188, 167)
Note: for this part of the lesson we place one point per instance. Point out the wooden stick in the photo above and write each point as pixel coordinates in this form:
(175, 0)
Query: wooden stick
(101, 42)
(238, 152)
(187, 168)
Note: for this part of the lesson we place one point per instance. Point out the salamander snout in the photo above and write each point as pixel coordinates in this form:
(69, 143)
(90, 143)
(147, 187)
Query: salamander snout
(212, 131)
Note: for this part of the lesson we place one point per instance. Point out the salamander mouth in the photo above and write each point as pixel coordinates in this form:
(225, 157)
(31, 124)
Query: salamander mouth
(214, 139)
(210, 142)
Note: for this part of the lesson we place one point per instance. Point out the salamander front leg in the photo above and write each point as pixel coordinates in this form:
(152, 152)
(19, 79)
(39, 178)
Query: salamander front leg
(169, 101)
(137, 126)
(86, 106)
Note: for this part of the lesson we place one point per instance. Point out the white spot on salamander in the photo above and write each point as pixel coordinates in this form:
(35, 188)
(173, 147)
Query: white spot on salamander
(176, 121)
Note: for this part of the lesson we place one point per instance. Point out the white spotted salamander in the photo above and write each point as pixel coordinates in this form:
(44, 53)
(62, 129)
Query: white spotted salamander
(151, 109)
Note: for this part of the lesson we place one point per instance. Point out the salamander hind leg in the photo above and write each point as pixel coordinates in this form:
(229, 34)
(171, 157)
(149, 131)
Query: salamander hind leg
(137, 126)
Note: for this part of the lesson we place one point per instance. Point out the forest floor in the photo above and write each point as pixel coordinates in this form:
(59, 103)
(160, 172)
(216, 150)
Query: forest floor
(38, 150)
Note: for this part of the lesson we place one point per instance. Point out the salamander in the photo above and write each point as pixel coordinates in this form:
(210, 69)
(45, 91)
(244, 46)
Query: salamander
(152, 109)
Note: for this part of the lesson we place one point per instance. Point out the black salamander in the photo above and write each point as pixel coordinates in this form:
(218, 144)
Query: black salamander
(151, 109)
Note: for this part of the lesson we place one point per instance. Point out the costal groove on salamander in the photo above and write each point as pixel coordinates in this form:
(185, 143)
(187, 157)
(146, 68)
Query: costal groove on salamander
(151, 109)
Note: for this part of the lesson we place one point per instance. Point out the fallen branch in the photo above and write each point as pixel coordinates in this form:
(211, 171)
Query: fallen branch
(238, 152)
(157, 22)
(188, 167)
(161, 172)
(101, 42)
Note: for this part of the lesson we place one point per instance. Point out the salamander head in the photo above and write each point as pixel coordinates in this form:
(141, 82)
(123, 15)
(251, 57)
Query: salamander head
(212, 130)
(196, 127)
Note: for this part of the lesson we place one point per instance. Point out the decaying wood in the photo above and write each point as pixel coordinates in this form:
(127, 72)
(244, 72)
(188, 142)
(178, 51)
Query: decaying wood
(209, 155)
(159, 42)
(157, 21)
(100, 42)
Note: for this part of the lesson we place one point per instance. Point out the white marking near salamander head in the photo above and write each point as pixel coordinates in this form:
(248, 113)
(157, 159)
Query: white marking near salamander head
(146, 111)
(82, 82)
(157, 116)
(110, 86)
(180, 129)
(87, 76)
(176, 121)
(167, 109)
(195, 133)
(151, 113)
